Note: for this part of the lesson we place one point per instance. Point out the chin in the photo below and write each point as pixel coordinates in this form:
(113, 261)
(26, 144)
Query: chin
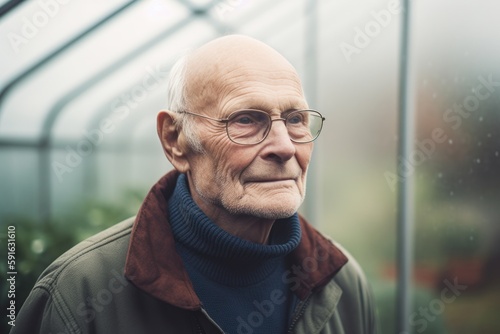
(276, 208)
(277, 214)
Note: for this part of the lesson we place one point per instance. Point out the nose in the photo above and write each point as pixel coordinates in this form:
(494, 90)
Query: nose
(278, 145)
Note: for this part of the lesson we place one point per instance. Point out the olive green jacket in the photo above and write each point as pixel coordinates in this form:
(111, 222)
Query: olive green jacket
(129, 279)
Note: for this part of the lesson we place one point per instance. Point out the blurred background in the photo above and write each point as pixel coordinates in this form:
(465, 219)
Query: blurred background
(81, 83)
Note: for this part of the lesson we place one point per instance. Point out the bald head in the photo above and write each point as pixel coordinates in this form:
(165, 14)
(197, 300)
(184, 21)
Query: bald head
(214, 68)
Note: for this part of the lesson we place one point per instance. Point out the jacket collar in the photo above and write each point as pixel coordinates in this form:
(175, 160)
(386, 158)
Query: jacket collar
(154, 266)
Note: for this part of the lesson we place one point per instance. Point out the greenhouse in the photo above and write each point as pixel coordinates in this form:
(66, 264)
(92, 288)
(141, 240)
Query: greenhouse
(405, 174)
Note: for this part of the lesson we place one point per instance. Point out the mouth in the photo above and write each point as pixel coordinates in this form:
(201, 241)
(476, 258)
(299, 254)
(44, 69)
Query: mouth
(272, 180)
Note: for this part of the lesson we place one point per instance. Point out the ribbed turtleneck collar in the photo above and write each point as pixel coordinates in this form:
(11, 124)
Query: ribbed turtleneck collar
(219, 255)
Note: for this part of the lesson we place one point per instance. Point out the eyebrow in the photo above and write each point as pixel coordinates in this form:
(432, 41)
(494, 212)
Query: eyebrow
(267, 110)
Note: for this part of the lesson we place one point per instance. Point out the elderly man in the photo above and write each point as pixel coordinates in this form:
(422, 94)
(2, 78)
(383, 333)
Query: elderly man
(217, 246)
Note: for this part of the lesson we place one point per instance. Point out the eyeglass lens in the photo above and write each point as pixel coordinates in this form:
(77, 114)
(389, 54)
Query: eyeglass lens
(252, 126)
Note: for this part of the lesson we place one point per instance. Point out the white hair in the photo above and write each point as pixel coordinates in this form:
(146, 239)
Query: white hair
(176, 102)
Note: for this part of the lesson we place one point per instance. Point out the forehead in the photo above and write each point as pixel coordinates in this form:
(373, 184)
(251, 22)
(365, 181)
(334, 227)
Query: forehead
(266, 90)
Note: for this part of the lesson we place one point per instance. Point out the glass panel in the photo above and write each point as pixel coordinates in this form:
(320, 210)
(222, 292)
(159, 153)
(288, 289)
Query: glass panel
(457, 167)
(358, 94)
(19, 182)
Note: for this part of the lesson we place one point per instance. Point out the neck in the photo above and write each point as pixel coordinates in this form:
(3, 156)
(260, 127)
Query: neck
(252, 229)
(247, 228)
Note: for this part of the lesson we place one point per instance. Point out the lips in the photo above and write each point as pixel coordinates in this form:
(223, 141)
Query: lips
(272, 180)
(271, 175)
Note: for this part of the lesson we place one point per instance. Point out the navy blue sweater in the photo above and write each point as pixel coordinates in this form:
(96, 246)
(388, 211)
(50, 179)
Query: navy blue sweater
(240, 283)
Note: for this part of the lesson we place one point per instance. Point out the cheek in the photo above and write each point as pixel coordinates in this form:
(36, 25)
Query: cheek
(228, 155)
(303, 155)
(227, 159)
(233, 161)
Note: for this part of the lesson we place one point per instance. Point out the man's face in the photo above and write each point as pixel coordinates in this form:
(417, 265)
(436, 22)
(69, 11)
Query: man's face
(266, 180)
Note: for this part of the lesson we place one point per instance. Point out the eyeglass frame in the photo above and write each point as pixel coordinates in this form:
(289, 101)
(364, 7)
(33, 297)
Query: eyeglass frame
(226, 121)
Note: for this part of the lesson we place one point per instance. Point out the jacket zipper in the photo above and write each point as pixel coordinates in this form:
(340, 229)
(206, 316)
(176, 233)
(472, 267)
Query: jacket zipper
(302, 308)
(199, 329)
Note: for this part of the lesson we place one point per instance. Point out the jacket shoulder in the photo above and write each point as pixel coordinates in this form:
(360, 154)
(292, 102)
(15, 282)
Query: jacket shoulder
(106, 247)
(78, 284)
(351, 272)
(357, 302)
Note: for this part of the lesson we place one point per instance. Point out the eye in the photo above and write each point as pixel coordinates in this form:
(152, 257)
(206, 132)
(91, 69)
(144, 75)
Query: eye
(249, 118)
(295, 118)
(244, 119)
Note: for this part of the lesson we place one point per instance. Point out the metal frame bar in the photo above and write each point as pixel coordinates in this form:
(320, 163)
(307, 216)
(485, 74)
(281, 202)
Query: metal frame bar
(405, 201)
(60, 144)
(8, 6)
(311, 204)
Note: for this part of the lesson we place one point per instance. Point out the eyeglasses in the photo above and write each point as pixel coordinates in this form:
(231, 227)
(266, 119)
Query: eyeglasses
(250, 126)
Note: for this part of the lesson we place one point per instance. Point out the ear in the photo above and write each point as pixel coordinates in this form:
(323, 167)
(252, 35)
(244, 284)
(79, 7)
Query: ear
(172, 141)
